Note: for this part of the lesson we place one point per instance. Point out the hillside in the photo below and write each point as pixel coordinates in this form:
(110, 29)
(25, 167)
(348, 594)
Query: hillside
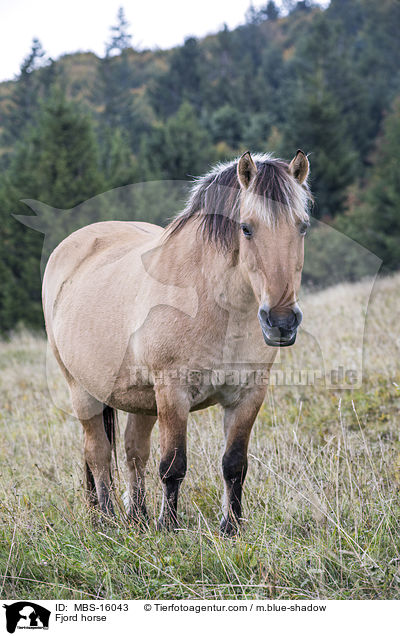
(326, 81)
(244, 85)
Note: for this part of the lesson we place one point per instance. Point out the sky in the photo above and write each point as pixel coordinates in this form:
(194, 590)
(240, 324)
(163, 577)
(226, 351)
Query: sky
(83, 25)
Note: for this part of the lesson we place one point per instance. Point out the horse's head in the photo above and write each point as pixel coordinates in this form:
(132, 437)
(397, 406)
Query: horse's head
(273, 222)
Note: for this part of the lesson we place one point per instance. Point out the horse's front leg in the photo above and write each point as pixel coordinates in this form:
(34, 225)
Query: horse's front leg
(173, 411)
(238, 422)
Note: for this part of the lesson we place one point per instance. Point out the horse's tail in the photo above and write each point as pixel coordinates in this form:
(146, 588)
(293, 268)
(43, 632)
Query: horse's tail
(110, 425)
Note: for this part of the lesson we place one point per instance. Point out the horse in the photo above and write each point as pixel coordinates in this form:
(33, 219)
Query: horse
(160, 322)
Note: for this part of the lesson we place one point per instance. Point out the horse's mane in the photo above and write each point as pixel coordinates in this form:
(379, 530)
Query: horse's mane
(215, 199)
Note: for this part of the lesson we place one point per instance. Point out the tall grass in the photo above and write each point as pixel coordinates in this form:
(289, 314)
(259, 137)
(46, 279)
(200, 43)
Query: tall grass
(321, 500)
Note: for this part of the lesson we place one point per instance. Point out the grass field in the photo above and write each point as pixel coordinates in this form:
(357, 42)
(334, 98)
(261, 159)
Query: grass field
(321, 502)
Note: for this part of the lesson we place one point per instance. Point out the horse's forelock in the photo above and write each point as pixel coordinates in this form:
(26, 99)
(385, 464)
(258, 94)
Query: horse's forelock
(275, 194)
(215, 200)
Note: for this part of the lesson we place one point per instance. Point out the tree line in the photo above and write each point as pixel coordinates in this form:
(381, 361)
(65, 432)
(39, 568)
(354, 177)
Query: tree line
(326, 81)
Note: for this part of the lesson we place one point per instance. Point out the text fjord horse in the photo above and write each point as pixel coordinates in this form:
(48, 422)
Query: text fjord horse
(215, 290)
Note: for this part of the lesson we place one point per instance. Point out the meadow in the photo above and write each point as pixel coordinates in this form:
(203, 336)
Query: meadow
(321, 503)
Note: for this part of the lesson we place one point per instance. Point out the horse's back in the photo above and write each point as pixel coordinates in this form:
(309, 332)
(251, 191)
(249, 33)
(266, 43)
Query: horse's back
(97, 237)
(87, 245)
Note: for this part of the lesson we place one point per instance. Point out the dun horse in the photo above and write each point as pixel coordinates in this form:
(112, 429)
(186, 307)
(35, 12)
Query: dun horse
(148, 320)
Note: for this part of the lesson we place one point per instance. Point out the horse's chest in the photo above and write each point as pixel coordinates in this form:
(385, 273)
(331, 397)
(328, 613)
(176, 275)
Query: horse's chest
(225, 387)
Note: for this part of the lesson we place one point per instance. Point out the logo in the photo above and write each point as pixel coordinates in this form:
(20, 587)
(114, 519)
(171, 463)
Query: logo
(26, 615)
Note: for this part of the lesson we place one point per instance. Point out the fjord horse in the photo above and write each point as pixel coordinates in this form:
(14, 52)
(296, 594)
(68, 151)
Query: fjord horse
(160, 322)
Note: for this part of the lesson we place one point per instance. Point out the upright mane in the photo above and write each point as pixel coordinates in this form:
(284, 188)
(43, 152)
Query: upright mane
(215, 199)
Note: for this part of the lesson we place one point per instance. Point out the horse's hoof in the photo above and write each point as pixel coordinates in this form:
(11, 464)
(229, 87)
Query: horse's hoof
(138, 515)
(138, 521)
(166, 525)
(161, 526)
(228, 528)
(107, 510)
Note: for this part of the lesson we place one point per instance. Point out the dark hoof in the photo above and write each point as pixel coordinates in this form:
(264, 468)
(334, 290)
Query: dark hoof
(228, 528)
(162, 526)
(166, 525)
(106, 506)
(101, 514)
(138, 517)
(107, 509)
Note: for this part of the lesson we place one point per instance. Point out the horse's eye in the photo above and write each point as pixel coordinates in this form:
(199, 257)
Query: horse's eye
(246, 229)
(303, 228)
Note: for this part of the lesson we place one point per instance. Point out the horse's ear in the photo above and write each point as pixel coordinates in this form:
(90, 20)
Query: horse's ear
(299, 167)
(246, 169)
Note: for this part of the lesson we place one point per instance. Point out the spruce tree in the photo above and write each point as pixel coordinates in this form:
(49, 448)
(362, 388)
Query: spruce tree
(55, 162)
(116, 77)
(177, 149)
(184, 80)
(26, 94)
(58, 159)
(315, 117)
(120, 38)
(116, 159)
(374, 219)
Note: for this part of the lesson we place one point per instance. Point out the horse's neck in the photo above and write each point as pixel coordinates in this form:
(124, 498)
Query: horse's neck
(187, 259)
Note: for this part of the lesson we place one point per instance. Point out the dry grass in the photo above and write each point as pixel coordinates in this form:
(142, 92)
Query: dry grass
(321, 499)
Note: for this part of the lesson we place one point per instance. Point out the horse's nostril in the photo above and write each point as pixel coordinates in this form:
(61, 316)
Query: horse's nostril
(292, 320)
(263, 316)
(299, 315)
(283, 319)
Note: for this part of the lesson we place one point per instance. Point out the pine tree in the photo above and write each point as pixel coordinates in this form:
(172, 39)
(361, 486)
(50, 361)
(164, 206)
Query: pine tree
(316, 125)
(27, 92)
(116, 159)
(120, 38)
(317, 115)
(177, 149)
(59, 157)
(267, 12)
(271, 11)
(116, 76)
(228, 124)
(55, 162)
(184, 81)
(375, 218)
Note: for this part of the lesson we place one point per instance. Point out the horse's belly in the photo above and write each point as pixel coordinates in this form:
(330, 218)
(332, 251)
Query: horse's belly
(203, 388)
(141, 398)
(134, 400)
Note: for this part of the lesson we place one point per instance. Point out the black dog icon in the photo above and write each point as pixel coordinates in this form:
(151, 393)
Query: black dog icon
(26, 614)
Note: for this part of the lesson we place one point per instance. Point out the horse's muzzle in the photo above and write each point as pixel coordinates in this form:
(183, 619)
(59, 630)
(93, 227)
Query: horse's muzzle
(279, 326)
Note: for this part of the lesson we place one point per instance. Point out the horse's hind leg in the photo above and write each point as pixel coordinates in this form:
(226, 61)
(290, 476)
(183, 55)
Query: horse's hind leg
(97, 448)
(137, 445)
(98, 463)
